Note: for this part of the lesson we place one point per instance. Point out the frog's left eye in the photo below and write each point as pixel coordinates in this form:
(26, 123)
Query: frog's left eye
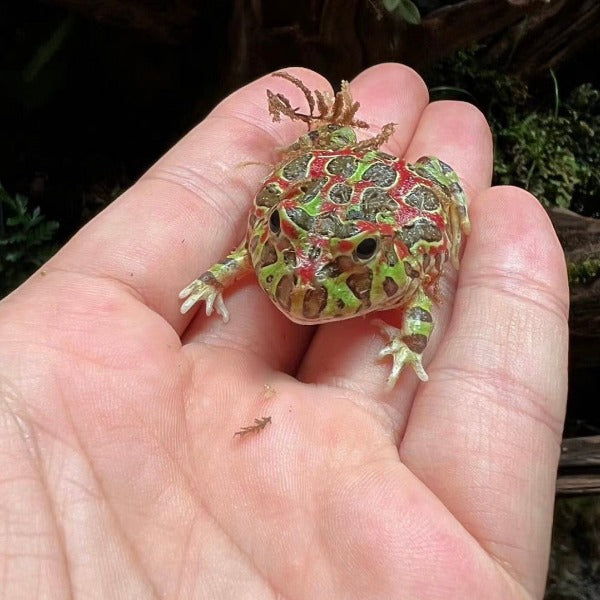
(275, 222)
(366, 248)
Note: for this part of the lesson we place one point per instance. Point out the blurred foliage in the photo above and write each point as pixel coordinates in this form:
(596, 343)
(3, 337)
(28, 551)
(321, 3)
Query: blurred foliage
(25, 240)
(547, 146)
(406, 10)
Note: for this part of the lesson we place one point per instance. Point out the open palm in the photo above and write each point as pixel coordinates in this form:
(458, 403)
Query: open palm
(121, 474)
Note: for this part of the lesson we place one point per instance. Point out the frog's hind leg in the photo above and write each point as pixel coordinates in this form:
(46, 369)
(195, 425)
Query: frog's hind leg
(407, 344)
(456, 206)
(210, 285)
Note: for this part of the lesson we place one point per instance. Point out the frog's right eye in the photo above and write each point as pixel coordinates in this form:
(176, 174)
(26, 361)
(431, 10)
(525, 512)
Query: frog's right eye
(366, 248)
(275, 222)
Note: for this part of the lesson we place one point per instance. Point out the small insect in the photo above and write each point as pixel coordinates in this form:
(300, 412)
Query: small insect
(259, 425)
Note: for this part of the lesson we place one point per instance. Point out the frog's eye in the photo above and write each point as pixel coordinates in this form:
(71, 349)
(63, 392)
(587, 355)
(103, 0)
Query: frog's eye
(275, 222)
(366, 248)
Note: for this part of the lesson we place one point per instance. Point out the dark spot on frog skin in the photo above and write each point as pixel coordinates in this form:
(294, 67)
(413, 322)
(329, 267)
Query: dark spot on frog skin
(340, 193)
(380, 174)
(376, 201)
(314, 302)
(208, 278)
(390, 287)
(268, 255)
(342, 165)
(416, 313)
(360, 285)
(410, 271)
(297, 168)
(423, 198)
(415, 342)
(335, 268)
(420, 230)
(284, 291)
(310, 189)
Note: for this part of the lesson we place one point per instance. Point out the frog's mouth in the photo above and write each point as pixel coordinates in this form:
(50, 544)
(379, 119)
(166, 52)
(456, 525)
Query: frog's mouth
(328, 295)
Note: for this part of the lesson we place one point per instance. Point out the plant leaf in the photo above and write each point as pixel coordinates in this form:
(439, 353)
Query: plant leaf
(408, 11)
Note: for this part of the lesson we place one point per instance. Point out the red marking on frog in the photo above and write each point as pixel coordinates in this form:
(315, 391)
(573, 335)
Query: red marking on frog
(345, 246)
(289, 230)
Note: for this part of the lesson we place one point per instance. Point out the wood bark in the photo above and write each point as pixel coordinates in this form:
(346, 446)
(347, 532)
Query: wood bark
(579, 467)
(342, 37)
(580, 239)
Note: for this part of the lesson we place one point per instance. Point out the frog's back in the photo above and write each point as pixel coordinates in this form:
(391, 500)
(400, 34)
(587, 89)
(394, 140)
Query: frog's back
(336, 233)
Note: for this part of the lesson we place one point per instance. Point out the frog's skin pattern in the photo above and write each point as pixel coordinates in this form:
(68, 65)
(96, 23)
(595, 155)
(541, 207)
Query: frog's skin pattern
(340, 229)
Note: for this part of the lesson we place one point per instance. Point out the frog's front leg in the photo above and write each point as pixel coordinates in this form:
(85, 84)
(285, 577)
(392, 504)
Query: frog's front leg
(210, 285)
(408, 343)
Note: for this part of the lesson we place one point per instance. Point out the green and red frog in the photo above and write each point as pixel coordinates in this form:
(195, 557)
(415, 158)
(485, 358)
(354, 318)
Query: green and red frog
(340, 229)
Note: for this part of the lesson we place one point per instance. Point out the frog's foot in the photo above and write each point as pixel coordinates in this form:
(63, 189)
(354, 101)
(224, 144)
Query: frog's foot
(203, 290)
(401, 352)
(210, 285)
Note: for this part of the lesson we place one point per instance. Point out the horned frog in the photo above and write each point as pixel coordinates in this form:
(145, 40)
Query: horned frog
(340, 229)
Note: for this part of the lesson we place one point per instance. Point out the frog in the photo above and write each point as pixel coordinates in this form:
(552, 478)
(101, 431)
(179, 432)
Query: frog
(340, 229)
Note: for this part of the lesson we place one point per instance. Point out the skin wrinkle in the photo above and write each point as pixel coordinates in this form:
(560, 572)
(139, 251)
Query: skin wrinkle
(123, 285)
(133, 554)
(205, 201)
(517, 282)
(484, 384)
(185, 550)
(277, 135)
(193, 490)
(242, 553)
(83, 454)
(36, 463)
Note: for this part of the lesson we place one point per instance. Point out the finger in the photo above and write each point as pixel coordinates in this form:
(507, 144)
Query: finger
(458, 134)
(189, 211)
(358, 367)
(484, 434)
(391, 93)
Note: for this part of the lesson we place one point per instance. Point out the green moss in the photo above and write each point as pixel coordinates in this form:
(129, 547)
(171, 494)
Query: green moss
(548, 147)
(584, 272)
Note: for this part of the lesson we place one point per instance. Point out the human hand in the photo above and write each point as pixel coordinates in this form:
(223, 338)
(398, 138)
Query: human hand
(121, 474)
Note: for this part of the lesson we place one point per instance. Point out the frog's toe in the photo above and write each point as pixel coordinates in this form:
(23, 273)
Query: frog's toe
(199, 291)
(401, 354)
